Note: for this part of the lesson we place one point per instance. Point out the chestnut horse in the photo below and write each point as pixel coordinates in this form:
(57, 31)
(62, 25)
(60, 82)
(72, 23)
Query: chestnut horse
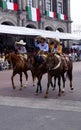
(55, 66)
(19, 65)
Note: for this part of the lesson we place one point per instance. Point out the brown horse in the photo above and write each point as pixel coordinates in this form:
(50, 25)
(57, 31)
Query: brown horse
(38, 70)
(55, 65)
(19, 65)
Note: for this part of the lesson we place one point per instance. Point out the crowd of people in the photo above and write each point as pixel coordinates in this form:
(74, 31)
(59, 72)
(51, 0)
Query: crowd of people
(75, 54)
(3, 63)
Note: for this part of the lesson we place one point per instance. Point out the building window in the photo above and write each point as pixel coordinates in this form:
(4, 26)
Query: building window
(59, 8)
(30, 3)
(48, 5)
(10, 0)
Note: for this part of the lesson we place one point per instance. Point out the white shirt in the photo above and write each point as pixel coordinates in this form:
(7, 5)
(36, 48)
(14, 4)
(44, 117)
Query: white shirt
(21, 49)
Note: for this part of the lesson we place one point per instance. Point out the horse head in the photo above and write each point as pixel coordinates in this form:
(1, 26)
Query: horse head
(50, 62)
(53, 61)
(8, 58)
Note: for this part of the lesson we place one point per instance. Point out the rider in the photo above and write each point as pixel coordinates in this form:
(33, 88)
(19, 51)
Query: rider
(42, 46)
(58, 49)
(20, 48)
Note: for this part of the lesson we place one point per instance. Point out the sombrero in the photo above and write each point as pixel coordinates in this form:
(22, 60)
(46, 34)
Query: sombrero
(42, 38)
(57, 40)
(21, 42)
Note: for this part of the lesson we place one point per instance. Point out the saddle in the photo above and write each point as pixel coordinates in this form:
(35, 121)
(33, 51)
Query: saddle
(23, 57)
(43, 54)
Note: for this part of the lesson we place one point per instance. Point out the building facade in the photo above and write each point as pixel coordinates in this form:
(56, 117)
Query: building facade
(53, 15)
(43, 14)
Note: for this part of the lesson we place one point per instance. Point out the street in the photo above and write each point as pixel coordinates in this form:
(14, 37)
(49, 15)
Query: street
(23, 110)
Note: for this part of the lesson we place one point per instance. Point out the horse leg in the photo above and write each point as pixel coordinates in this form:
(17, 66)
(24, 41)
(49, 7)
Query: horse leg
(51, 84)
(33, 78)
(13, 80)
(59, 84)
(26, 76)
(54, 83)
(21, 81)
(69, 73)
(37, 87)
(48, 84)
(39, 84)
(63, 79)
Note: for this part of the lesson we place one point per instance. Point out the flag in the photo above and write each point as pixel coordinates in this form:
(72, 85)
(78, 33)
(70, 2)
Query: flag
(51, 14)
(3, 4)
(61, 16)
(33, 13)
(9, 5)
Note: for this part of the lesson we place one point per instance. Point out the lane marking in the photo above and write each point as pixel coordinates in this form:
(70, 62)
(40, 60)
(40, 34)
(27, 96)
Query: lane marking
(51, 104)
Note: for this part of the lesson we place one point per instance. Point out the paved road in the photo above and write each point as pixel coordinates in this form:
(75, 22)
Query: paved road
(29, 92)
(44, 114)
(23, 110)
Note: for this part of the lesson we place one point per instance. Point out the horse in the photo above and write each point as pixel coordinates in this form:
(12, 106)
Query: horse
(55, 66)
(19, 65)
(38, 69)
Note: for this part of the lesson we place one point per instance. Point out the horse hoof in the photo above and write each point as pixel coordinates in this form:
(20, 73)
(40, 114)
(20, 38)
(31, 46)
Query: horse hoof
(40, 92)
(45, 96)
(62, 91)
(72, 88)
(14, 88)
(36, 94)
(53, 89)
(59, 94)
(20, 89)
(25, 85)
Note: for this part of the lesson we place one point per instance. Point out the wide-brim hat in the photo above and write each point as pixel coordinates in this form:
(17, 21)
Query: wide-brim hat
(37, 38)
(57, 40)
(42, 38)
(21, 42)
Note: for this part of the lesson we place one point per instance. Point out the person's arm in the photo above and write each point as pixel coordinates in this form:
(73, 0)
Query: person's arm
(59, 49)
(46, 47)
(36, 44)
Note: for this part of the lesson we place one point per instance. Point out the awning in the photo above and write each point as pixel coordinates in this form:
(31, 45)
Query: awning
(6, 29)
